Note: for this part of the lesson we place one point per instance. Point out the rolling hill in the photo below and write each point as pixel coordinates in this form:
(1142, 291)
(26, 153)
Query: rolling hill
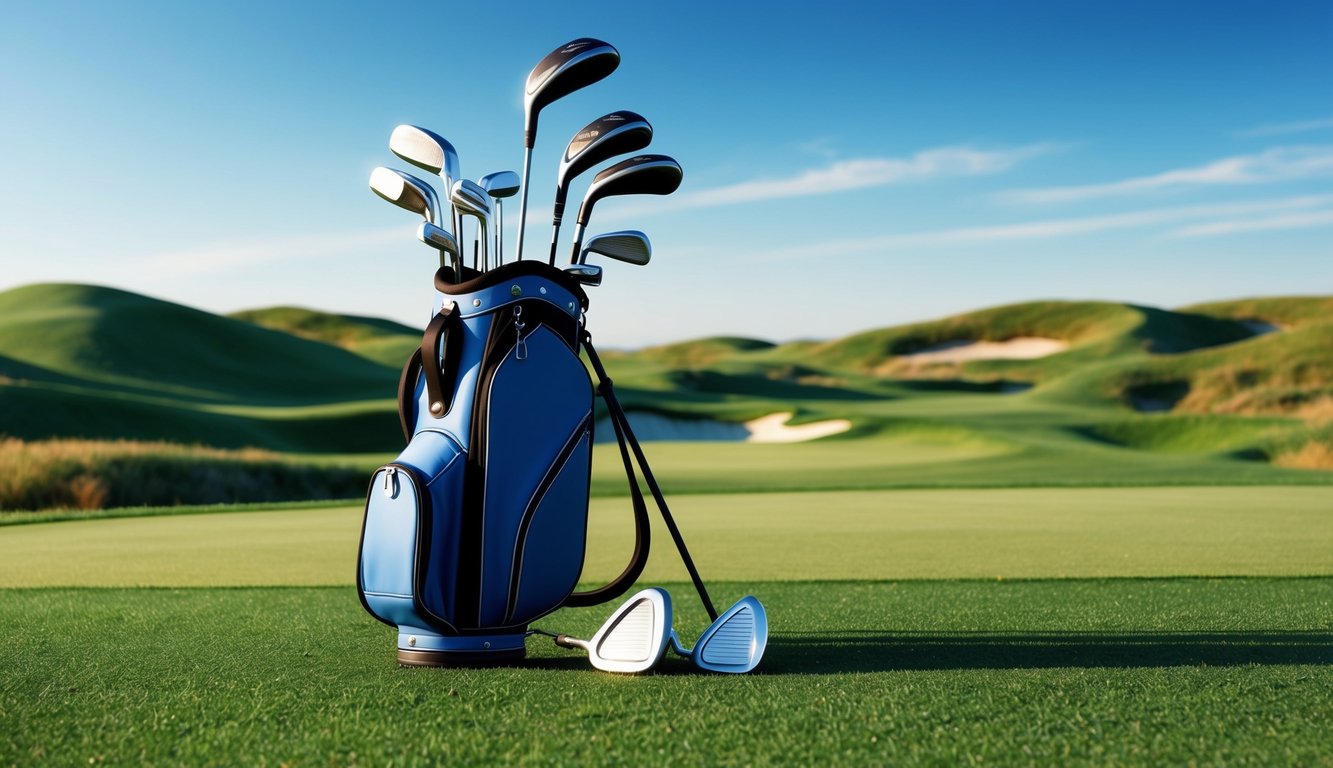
(1113, 393)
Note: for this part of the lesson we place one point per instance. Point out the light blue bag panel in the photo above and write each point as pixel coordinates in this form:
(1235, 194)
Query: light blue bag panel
(389, 545)
(550, 558)
(457, 421)
(537, 405)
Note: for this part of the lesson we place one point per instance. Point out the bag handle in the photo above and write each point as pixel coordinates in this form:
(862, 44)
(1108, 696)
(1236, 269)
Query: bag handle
(439, 394)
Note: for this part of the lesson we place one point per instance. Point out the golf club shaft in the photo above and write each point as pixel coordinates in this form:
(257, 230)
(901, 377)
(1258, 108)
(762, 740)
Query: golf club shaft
(618, 413)
(574, 256)
(523, 200)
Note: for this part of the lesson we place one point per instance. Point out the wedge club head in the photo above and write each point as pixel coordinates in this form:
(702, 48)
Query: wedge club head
(629, 245)
(587, 274)
(634, 639)
(500, 185)
(469, 199)
(406, 191)
(734, 643)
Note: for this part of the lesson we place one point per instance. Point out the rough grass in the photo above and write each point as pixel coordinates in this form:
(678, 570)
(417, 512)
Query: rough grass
(88, 474)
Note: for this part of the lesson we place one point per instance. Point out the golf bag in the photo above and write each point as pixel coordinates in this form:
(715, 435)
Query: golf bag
(479, 526)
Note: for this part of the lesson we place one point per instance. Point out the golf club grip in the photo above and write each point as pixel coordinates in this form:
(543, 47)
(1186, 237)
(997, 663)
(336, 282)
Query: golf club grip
(623, 432)
(642, 530)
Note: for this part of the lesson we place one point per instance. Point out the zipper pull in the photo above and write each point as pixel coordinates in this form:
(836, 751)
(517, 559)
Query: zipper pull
(390, 481)
(520, 346)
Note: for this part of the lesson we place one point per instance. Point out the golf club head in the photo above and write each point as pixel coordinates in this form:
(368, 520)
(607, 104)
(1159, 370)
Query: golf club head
(618, 133)
(630, 246)
(438, 238)
(734, 643)
(406, 191)
(587, 274)
(426, 150)
(572, 66)
(634, 639)
(470, 199)
(639, 175)
(500, 184)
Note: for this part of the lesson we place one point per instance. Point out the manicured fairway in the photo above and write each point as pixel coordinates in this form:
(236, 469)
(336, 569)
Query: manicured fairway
(1142, 672)
(1002, 533)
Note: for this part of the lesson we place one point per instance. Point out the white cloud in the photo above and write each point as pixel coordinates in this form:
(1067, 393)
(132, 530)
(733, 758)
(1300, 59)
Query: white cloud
(1054, 228)
(1305, 220)
(1271, 165)
(1280, 129)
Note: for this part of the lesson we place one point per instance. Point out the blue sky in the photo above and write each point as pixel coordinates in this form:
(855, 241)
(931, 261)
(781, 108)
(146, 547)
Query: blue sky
(848, 166)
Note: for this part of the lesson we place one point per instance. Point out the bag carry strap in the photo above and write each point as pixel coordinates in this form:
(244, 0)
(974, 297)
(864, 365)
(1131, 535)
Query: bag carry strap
(625, 436)
(439, 395)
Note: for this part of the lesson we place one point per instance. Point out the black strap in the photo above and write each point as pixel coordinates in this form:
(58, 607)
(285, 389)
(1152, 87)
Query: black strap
(440, 395)
(624, 435)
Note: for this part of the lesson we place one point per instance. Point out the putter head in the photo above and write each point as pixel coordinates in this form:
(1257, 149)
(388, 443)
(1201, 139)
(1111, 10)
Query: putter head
(630, 246)
(438, 238)
(426, 150)
(587, 274)
(639, 175)
(636, 636)
(405, 191)
(470, 199)
(572, 66)
(609, 135)
(500, 184)
(734, 643)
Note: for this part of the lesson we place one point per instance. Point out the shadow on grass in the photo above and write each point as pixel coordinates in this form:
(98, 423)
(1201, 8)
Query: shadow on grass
(872, 651)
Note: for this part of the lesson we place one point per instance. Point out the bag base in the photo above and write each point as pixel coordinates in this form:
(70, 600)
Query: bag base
(423, 648)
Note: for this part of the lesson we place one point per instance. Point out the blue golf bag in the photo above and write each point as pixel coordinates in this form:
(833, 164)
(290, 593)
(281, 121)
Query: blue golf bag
(478, 527)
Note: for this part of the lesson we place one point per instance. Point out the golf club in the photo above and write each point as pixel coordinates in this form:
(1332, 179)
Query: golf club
(587, 274)
(431, 152)
(734, 643)
(470, 199)
(406, 191)
(634, 639)
(609, 135)
(500, 185)
(574, 65)
(639, 175)
(440, 239)
(629, 245)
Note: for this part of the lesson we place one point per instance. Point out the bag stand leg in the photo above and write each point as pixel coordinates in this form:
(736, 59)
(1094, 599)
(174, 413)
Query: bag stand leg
(618, 415)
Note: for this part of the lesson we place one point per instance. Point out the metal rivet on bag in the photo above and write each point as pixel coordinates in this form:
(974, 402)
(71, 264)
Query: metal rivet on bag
(412, 641)
(437, 408)
(543, 290)
(571, 306)
(486, 644)
(476, 302)
(514, 290)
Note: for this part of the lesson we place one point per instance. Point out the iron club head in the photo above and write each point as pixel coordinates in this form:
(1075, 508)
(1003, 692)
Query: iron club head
(500, 184)
(587, 274)
(406, 191)
(426, 150)
(634, 639)
(734, 643)
(630, 246)
(442, 241)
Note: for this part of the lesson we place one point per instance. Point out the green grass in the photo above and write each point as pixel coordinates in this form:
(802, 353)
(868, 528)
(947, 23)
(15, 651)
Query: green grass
(1139, 626)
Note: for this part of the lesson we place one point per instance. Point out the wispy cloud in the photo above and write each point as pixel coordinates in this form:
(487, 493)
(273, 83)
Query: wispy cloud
(860, 173)
(1272, 165)
(223, 255)
(1054, 228)
(1305, 220)
(1283, 129)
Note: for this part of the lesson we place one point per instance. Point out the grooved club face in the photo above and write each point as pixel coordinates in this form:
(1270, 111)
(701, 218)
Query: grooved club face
(628, 245)
(426, 150)
(572, 66)
(405, 191)
(636, 636)
(438, 238)
(734, 643)
(639, 175)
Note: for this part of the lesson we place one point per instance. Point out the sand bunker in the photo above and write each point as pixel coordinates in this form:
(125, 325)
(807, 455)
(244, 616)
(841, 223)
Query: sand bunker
(773, 428)
(1019, 348)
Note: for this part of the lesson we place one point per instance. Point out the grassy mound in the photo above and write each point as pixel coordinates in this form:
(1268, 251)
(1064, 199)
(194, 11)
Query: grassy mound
(383, 341)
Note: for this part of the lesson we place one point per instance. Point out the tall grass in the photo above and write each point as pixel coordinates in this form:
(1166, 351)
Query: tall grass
(90, 474)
